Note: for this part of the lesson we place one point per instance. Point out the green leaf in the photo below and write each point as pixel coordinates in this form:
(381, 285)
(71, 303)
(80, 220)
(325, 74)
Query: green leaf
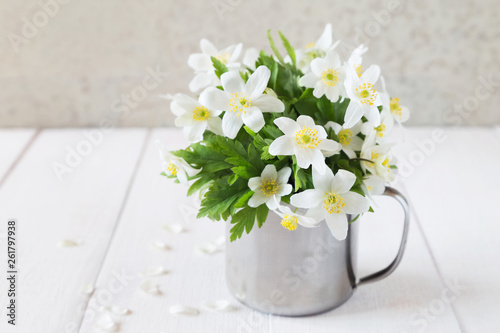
(289, 48)
(220, 198)
(299, 177)
(233, 178)
(220, 68)
(243, 220)
(273, 47)
(242, 202)
(261, 214)
(201, 183)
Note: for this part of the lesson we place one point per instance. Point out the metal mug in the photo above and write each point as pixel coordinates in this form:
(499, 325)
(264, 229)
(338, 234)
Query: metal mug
(299, 273)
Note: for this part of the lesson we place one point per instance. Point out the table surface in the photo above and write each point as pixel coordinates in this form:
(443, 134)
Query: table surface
(115, 203)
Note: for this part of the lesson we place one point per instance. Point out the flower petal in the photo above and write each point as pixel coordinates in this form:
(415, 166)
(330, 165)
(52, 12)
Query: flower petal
(207, 47)
(257, 82)
(322, 181)
(305, 121)
(201, 80)
(232, 82)
(325, 40)
(257, 199)
(353, 114)
(287, 125)
(318, 161)
(318, 66)
(373, 115)
(215, 125)
(343, 181)
(284, 175)
(285, 190)
(194, 133)
(371, 74)
(309, 80)
(269, 172)
(231, 125)
(283, 145)
(268, 103)
(334, 126)
(319, 89)
(214, 99)
(273, 202)
(254, 119)
(329, 146)
(355, 203)
(254, 183)
(338, 225)
(200, 62)
(307, 199)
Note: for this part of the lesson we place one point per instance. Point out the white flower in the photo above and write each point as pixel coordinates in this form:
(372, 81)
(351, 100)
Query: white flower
(314, 50)
(382, 131)
(175, 166)
(348, 137)
(270, 187)
(304, 139)
(250, 57)
(364, 97)
(203, 67)
(326, 78)
(331, 199)
(290, 219)
(391, 105)
(195, 117)
(355, 59)
(380, 157)
(373, 185)
(243, 103)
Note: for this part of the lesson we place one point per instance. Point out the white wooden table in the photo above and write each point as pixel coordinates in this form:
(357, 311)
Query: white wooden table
(116, 203)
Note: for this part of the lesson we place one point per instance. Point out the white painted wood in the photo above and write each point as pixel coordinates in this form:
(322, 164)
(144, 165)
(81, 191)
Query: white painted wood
(12, 144)
(193, 277)
(83, 206)
(455, 193)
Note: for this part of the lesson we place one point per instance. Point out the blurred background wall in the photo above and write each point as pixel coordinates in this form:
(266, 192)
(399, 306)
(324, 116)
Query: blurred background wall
(72, 63)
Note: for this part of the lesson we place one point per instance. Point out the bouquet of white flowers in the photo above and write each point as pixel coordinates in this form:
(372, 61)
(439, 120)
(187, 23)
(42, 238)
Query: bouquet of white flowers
(280, 133)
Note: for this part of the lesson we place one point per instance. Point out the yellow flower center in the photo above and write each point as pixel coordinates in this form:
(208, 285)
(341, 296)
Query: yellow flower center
(380, 130)
(386, 164)
(289, 222)
(330, 77)
(345, 137)
(224, 57)
(172, 169)
(239, 103)
(366, 93)
(307, 138)
(395, 107)
(333, 203)
(269, 186)
(200, 113)
(359, 70)
(310, 45)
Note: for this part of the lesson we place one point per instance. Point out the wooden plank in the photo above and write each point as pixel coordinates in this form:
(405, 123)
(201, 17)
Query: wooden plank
(193, 277)
(454, 190)
(83, 206)
(12, 144)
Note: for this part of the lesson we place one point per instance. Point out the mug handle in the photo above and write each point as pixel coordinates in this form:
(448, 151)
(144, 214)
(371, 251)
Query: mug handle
(389, 191)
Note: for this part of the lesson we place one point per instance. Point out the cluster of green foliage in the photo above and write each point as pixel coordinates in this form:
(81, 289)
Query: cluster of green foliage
(227, 164)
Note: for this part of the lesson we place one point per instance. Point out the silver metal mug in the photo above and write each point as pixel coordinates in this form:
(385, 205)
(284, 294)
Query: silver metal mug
(299, 273)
